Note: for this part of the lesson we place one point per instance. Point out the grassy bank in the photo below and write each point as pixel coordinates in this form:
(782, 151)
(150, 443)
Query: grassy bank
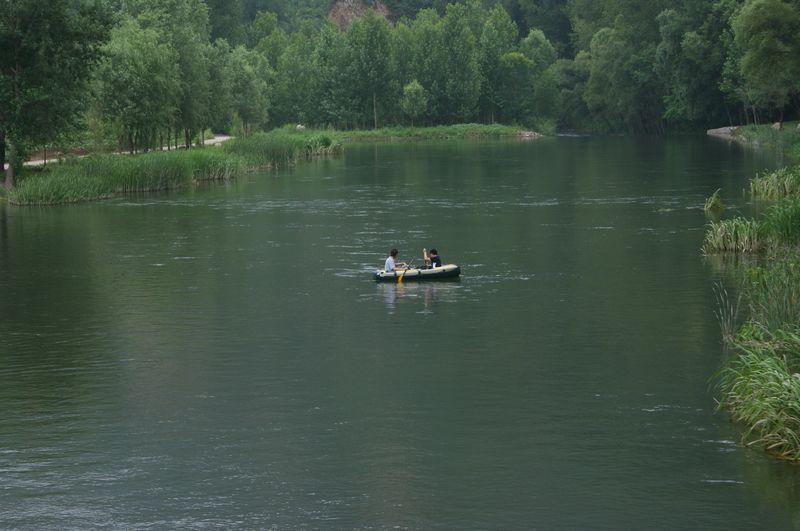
(103, 176)
(442, 132)
(759, 383)
(284, 147)
(785, 140)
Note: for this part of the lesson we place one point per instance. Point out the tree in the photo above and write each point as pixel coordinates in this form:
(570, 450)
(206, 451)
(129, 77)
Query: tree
(498, 37)
(331, 90)
(184, 26)
(516, 88)
(462, 80)
(47, 55)
(415, 100)
(368, 43)
(138, 88)
(768, 34)
(226, 18)
(249, 73)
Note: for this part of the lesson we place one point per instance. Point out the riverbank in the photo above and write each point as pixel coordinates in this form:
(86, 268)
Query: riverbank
(759, 382)
(784, 137)
(97, 177)
(102, 176)
(442, 132)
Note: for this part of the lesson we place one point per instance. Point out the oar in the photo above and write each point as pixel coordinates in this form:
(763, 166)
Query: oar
(400, 278)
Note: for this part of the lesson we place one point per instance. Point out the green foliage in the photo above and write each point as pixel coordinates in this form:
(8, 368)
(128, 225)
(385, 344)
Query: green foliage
(415, 100)
(768, 34)
(441, 132)
(498, 37)
(773, 291)
(283, 147)
(176, 68)
(714, 204)
(782, 140)
(759, 384)
(737, 235)
(48, 51)
(137, 84)
(782, 222)
(104, 176)
(778, 184)
(760, 388)
(368, 45)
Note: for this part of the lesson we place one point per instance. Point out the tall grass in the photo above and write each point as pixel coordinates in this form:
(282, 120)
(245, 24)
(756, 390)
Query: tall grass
(442, 132)
(101, 176)
(762, 136)
(782, 222)
(734, 235)
(760, 387)
(727, 312)
(714, 204)
(778, 184)
(773, 293)
(283, 147)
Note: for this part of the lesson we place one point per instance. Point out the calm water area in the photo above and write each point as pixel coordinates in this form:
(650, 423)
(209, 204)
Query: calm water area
(220, 357)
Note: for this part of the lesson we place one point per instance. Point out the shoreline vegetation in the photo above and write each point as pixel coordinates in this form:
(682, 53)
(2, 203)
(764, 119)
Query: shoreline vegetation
(102, 176)
(759, 381)
(783, 137)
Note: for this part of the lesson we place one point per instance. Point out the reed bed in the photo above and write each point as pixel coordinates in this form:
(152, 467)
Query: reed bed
(773, 293)
(283, 147)
(760, 388)
(775, 185)
(782, 222)
(442, 132)
(102, 176)
(739, 235)
(759, 384)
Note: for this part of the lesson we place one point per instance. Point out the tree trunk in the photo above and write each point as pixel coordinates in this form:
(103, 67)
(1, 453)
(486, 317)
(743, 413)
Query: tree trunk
(9, 183)
(375, 109)
(3, 150)
(187, 140)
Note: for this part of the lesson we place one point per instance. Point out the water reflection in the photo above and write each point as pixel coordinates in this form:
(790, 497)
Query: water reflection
(424, 295)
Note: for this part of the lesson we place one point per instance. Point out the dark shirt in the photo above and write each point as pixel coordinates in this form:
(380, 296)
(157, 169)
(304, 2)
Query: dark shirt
(436, 261)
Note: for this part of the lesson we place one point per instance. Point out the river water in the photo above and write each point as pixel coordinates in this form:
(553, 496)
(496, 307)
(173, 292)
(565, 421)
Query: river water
(220, 356)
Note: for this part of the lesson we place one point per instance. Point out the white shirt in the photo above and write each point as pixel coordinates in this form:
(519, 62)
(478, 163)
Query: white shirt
(389, 266)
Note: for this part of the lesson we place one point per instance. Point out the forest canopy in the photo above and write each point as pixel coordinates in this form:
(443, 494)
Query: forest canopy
(140, 73)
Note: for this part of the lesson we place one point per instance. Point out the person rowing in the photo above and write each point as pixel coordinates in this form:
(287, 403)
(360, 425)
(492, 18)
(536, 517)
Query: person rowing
(431, 259)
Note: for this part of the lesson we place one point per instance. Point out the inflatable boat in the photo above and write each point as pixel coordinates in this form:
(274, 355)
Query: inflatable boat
(435, 273)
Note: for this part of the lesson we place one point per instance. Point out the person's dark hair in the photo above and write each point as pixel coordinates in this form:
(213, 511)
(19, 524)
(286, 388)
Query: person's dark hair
(393, 253)
(433, 252)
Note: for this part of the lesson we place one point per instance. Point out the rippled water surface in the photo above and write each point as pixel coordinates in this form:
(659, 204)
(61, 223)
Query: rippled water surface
(220, 356)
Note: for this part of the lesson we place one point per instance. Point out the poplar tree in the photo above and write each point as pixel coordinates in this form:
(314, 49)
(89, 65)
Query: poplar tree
(48, 50)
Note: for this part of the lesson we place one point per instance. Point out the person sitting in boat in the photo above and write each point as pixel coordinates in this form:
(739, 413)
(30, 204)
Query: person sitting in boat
(431, 259)
(391, 265)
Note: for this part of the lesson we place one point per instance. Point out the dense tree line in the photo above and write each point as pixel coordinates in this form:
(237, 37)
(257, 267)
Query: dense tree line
(158, 72)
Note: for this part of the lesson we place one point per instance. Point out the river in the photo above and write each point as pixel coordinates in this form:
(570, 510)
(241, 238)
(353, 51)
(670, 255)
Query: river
(220, 356)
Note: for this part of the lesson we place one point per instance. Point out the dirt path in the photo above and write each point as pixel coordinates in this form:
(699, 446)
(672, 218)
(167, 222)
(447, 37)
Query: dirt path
(218, 139)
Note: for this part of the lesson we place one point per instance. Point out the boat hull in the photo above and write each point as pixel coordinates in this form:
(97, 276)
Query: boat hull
(448, 271)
